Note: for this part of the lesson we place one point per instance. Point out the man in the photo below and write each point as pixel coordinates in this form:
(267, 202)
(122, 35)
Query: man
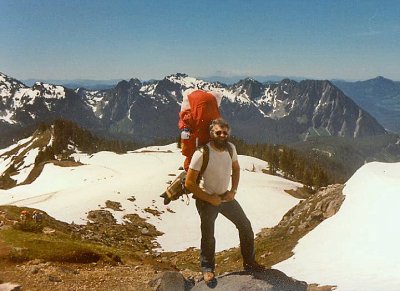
(213, 197)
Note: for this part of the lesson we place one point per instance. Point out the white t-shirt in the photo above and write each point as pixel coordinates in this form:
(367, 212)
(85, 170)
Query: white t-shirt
(217, 176)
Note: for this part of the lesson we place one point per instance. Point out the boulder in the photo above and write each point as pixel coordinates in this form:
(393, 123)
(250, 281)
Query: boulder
(170, 281)
(269, 279)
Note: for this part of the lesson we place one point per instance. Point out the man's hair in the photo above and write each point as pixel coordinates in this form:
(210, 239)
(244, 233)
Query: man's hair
(221, 122)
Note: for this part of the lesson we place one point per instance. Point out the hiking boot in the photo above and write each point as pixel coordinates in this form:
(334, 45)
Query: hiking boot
(254, 267)
(208, 276)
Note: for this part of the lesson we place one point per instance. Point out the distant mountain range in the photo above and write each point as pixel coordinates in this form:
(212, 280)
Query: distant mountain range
(378, 96)
(261, 78)
(283, 112)
(77, 83)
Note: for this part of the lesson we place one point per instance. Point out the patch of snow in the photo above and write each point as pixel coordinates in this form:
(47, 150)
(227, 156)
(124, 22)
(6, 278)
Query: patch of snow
(279, 109)
(357, 129)
(95, 101)
(148, 89)
(5, 162)
(28, 95)
(357, 249)
(69, 193)
(6, 116)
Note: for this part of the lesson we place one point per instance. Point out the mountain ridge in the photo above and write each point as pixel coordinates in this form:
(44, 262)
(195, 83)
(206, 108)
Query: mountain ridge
(277, 113)
(379, 96)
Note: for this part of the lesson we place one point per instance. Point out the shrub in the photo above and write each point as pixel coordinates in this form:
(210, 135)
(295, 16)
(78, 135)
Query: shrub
(29, 226)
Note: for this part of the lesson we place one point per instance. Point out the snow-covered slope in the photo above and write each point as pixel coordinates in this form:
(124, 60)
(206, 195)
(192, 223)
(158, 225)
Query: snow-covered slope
(358, 248)
(68, 193)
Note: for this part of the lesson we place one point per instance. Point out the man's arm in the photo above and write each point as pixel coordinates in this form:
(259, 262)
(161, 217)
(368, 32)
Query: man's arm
(198, 193)
(230, 195)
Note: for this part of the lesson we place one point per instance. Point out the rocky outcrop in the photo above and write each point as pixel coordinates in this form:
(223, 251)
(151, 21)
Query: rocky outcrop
(103, 228)
(269, 279)
(315, 209)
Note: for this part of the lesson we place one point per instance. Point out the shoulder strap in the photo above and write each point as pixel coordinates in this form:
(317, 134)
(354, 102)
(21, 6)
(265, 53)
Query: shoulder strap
(230, 150)
(206, 156)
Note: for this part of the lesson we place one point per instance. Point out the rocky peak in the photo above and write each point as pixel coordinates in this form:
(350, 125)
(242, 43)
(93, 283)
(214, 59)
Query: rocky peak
(177, 76)
(381, 83)
(382, 79)
(127, 88)
(285, 87)
(122, 85)
(134, 82)
(9, 86)
(250, 87)
(167, 85)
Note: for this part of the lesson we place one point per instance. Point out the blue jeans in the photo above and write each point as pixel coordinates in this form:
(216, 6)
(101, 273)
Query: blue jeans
(234, 212)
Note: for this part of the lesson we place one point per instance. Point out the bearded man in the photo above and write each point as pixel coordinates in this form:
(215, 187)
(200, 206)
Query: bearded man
(214, 197)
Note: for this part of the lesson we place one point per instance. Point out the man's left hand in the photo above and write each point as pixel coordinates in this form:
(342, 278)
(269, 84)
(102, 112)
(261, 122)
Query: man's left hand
(229, 196)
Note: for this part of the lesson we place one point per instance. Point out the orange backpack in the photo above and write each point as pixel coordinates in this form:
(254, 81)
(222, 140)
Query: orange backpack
(198, 109)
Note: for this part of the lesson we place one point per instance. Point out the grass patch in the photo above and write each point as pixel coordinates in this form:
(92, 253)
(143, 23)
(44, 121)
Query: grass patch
(57, 247)
(28, 242)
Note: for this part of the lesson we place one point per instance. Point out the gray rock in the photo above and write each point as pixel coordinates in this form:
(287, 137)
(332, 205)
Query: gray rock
(35, 269)
(170, 281)
(268, 280)
(53, 278)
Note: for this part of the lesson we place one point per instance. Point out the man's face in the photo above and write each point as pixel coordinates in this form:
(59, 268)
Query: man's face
(220, 135)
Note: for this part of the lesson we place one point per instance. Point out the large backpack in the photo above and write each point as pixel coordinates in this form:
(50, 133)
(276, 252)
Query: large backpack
(177, 188)
(198, 109)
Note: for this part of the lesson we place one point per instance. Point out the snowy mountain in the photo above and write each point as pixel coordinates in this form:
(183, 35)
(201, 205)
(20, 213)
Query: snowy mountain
(357, 249)
(287, 111)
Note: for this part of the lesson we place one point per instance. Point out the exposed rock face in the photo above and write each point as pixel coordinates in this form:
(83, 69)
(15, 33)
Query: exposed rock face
(317, 208)
(261, 281)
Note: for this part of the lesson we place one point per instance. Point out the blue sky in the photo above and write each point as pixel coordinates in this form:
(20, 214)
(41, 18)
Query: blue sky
(321, 39)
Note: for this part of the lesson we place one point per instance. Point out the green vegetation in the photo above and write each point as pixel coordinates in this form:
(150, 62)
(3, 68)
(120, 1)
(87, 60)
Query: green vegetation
(341, 157)
(291, 163)
(67, 133)
(52, 240)
(59, 247)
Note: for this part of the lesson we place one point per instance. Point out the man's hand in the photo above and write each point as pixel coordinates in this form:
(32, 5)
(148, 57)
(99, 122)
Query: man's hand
(229, 196)
(214, 199)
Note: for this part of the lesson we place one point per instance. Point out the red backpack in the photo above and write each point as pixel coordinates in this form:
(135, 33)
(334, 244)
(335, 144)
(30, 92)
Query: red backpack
(198, 109)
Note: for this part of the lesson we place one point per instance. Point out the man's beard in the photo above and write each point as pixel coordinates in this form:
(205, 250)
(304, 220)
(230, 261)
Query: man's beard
(220, 144)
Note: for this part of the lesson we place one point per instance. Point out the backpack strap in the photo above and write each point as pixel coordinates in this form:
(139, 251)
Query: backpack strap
(206, 156)
(230, 150)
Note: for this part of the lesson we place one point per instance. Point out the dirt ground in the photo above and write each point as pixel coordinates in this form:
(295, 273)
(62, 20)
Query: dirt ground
(36, 275)
(40, 275)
